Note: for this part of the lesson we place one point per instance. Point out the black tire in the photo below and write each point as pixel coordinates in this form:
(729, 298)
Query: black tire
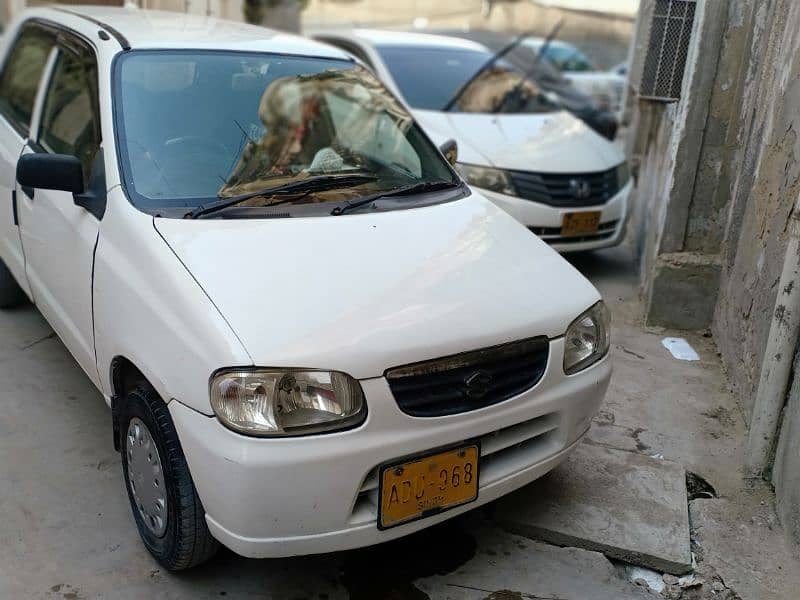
(11, 294)
(187, 541)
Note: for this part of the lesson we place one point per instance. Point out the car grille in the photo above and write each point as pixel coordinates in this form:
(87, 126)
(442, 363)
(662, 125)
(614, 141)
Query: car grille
(552, 235)
(566, 190)
(469, 381)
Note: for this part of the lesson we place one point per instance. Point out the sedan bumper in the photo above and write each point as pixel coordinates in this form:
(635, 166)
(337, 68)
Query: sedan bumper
(307, 495)
(545, 221)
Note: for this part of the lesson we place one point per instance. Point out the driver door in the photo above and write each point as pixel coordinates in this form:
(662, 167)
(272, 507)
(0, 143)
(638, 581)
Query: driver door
(58, 236)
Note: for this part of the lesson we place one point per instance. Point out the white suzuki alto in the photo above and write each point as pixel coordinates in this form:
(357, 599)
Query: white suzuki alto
(312, 335)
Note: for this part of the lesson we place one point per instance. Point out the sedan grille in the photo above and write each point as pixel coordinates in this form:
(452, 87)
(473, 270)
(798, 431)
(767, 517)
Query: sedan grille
(469, 381)
(566, 190)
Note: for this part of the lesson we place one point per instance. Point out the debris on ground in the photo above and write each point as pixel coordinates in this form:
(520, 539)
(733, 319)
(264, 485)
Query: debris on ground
(646, 578)
(698, 585)
(708, 586)
(680, 348)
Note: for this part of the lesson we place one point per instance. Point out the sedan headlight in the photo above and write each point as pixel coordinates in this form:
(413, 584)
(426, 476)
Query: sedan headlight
(494, 180)
(286, 402)
(587, 339)
(623, 175)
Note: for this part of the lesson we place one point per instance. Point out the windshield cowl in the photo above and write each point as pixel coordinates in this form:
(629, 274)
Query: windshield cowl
(386, 203)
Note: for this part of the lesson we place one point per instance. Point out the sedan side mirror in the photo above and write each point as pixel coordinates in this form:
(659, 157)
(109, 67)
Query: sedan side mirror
(450, 151)
(59, 172)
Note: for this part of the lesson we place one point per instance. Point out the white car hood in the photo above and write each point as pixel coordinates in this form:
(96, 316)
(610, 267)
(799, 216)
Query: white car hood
(547, 143)
(365, 292)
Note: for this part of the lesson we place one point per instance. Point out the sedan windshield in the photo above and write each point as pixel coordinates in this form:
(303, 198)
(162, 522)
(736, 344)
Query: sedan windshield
(198, 128)
(568, 58)
(500, 88)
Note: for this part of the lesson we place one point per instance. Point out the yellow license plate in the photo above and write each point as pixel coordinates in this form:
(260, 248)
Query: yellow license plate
(579, 223)
(427, 485)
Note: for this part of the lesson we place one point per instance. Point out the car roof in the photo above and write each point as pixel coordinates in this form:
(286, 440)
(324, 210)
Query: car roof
(383, 37)
(483, 34)
(140, 29)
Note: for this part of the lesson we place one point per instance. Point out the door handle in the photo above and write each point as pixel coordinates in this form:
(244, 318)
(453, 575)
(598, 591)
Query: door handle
(14, 207)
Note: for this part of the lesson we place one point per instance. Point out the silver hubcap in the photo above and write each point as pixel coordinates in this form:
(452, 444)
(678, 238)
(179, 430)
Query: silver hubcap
(146, 477)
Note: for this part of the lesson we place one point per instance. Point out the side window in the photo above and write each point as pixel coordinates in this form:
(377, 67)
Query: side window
(20, 79)
(71, 116)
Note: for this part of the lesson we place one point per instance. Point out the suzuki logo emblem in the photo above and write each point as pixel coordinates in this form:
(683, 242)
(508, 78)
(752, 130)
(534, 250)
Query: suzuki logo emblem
(580, 188)
(477, 385)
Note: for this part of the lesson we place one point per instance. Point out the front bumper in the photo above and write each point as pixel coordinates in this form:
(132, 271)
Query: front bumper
(308, 495)
(545, 221)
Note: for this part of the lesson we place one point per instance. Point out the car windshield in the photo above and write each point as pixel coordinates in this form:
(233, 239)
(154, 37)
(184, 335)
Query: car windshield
(500, 88)
(200, 127)
(568, 58)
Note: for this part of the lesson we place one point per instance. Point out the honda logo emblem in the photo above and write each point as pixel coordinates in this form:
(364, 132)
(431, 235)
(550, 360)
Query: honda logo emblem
(580, 188)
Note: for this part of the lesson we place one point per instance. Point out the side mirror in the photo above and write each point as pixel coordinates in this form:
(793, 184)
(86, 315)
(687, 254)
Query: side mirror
(450, 151)
(51, 172)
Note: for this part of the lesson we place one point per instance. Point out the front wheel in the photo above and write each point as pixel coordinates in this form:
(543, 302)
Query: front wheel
(167, 510)
(11, 294)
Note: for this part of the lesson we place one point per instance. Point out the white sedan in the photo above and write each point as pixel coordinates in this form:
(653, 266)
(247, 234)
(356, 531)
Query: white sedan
(539, 163)
(312, 334)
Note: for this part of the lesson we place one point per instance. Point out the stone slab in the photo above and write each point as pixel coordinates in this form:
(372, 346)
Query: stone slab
(510, 567)
(741, 538)
(626, 505)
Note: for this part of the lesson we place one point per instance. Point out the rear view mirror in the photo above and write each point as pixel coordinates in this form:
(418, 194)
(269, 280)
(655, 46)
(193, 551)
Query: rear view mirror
(51, 172)
(450, 151)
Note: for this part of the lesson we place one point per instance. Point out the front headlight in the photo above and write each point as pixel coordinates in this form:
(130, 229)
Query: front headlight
(587, 339)
(495, 180)
(285, 402)
(623, 175)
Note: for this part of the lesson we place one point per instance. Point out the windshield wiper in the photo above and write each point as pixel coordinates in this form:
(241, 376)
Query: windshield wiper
(414, 188)
(488, 64)
(527, 74)
(318, 183)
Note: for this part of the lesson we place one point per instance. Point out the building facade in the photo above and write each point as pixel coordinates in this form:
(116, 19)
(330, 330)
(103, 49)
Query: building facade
(718, 214)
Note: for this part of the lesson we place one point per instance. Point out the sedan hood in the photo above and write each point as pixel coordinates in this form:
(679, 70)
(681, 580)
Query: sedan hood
(362, 293)
(546, 143)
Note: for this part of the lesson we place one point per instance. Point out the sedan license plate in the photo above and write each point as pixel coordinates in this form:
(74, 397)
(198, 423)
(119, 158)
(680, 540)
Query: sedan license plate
(580, 223)
(428, 485)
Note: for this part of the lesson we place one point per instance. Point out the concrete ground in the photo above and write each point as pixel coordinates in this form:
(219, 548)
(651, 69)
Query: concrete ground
(67, 531)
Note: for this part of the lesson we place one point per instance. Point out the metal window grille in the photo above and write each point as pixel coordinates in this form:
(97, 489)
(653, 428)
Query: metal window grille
(665, 62)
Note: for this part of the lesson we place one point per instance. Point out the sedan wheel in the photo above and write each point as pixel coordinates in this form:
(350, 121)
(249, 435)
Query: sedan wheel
(146, 477)
(167, 510)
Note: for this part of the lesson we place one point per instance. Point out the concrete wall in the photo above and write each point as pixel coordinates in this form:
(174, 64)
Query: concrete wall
(605, 37)
(286, 17)
(719, 175)
(786, 472)
(9, 9)
(679, 282)
(768, 182)
(226, 9)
